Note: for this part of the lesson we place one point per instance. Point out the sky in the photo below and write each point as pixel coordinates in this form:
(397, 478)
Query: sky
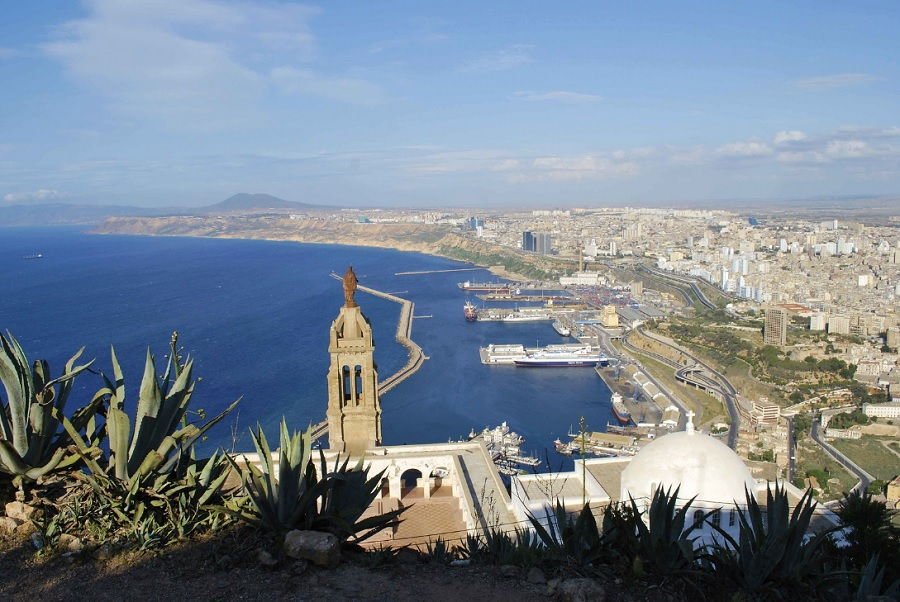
(416, 104)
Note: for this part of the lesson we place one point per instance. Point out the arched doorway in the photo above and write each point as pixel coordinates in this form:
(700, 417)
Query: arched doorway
(409, 482)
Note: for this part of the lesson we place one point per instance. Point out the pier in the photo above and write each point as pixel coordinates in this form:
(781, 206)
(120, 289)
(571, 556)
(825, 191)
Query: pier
(422, 272)
(404, 332)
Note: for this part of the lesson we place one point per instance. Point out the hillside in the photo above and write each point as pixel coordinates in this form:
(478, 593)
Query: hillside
(440, 240)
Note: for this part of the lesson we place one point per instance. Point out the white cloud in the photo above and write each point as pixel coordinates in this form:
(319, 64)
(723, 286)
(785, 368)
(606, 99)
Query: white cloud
(580, 167)
(748, 149)
(37, 196)
(343, 89)
(196, 63)
(517, 168)
(786, 137)
(561, 96)
(501, 60)
(847, 149)
(837, 80)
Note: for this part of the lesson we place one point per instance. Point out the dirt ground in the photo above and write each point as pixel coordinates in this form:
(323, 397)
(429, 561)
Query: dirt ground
(226, 570)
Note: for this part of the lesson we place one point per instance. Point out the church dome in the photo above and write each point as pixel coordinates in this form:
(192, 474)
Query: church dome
(701, 465)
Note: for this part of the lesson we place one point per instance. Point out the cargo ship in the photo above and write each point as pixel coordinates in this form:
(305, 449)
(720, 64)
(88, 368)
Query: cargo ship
(470, 312)
(491, 287)
(582, 357)
(619, 409)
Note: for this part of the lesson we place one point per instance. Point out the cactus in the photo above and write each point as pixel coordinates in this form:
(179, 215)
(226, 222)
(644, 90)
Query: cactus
(294, 495)
(162, 436)
(150, 478)
(32, 443)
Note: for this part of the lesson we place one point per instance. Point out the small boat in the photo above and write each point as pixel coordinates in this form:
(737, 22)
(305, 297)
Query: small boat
(35, 256)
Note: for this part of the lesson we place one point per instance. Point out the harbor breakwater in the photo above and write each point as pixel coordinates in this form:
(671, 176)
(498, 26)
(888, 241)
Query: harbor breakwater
(403, 336)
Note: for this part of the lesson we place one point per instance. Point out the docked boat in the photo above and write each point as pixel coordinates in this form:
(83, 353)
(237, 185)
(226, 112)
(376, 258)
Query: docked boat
(562, 329)
(491, 287)
(582, 357)
(521, 316)
(619, 409)
(502, 354)
(504, 446)
(470, 312)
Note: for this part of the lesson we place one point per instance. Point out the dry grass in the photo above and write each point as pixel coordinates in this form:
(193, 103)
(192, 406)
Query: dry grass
(871, 455)
(811, 457)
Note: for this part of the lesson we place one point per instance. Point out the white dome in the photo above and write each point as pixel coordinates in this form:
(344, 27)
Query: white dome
(703, 466)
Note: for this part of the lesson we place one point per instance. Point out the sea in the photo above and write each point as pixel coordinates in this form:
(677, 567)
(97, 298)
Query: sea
(255, 316)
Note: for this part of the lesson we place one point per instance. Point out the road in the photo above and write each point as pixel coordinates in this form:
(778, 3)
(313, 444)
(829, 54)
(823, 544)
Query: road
(671, 397)
(695, 288)
(865, 479)
(791, 449)
(722, 384)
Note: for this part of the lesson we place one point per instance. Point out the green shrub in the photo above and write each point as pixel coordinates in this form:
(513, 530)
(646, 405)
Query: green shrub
(149, 485)
(771, 556)
(294, 495)
(32, 442)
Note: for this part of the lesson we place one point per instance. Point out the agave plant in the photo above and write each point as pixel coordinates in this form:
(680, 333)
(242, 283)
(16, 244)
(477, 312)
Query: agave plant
(150, 476)
(32, 443)
(772, 553)
(292, 494)
(574, 541)
(872, 583)
(664, 547)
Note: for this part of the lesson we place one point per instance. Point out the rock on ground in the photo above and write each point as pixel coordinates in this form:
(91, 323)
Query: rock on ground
(581, 590)
(322, 549)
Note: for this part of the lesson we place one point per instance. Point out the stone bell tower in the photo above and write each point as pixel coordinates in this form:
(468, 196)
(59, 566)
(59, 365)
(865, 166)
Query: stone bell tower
(354, 410)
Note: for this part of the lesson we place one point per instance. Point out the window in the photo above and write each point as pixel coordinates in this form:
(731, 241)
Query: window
(698, 517)
(732, 517)
(716, 517)
(359, 383)
(345, 384)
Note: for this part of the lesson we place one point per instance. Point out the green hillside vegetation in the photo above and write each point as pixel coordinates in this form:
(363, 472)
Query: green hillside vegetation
(869, 453)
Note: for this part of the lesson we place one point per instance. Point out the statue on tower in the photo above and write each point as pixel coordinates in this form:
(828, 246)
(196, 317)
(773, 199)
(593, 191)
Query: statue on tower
(349, 287)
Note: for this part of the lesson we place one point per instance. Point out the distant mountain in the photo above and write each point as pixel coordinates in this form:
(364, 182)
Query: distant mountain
(245, 201)
(64, 214)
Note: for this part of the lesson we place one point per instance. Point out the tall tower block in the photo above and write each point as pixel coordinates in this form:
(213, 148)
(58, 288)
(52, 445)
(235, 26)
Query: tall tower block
(354, 409)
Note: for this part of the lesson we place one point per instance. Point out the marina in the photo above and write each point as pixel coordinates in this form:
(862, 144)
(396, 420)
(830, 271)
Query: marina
(505, 449)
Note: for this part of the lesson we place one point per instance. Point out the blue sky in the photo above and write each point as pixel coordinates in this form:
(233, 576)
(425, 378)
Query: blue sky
(185, 102)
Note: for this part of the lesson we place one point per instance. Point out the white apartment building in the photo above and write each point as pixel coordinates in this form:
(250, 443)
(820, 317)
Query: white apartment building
(890, 409)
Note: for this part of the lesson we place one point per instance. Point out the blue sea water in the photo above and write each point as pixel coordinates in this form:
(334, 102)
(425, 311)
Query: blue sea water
(255, 317)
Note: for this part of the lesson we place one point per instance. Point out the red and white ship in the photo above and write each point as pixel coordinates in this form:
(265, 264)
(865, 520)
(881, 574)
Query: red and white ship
(470, 312)
(619, 409)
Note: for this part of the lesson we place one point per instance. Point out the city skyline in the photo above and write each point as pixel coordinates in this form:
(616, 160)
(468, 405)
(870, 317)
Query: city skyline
(186, 103)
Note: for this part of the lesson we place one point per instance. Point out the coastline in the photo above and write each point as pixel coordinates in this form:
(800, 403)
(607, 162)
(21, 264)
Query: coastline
(435, 241)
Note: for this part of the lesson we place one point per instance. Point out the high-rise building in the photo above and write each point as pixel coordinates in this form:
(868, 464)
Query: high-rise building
(838, 325)
(528, 240)
(775, 330)
(543, 243)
